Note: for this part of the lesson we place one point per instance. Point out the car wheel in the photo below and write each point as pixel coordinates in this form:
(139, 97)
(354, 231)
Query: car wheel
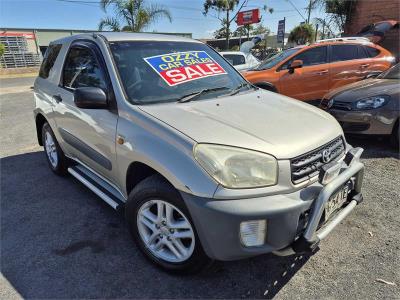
(395, 135)
(162, 228)
(54, 155)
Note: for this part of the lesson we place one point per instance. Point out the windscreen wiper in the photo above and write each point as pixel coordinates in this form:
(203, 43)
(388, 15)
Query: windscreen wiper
(191, 96)
(239, 87)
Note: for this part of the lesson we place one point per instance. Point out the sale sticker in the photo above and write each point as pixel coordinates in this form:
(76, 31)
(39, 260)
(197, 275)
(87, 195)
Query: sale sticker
(180, 67)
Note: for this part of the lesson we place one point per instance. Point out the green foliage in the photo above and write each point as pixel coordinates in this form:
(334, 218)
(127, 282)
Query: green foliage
(338, 12)
(219, 5)
(302, 34)
(261, 29)
(131, 15)
(2, 49)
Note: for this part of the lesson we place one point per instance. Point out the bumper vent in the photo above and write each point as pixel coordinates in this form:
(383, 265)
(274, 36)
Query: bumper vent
(308, 165)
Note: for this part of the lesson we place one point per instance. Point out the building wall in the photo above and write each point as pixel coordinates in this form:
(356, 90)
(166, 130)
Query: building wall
(368, 11)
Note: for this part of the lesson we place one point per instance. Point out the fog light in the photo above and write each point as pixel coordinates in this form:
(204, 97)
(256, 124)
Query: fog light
(252, 233)
(329, 172)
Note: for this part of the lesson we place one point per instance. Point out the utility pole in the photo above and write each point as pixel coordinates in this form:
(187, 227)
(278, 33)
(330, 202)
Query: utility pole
(309, 12)
(284, 29)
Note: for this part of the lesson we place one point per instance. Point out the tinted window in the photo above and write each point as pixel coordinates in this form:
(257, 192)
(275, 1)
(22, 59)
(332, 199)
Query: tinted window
(314, 56)
(235, 59)
(361, 52)
(82, 69)
(372, 52)
(48, 60)
(346, 52)
(275, 59)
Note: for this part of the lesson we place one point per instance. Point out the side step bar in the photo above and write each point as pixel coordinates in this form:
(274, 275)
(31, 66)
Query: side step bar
(97, 186)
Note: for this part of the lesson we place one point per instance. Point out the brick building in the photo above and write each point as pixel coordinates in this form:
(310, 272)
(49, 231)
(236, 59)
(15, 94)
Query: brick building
(365, 12)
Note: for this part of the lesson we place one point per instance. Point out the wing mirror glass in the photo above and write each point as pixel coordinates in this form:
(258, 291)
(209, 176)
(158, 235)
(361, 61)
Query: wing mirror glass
(90, 98)
(298, 63)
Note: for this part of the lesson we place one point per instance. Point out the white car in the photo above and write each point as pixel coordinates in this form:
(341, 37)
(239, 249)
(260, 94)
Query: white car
(242, 60)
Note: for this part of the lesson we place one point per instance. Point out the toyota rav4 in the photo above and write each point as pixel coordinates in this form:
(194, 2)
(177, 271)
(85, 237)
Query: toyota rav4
(204, 165)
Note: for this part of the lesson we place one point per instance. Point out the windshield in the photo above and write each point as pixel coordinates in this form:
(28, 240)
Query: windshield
(157, 72)
(277, 58)
(392, 73)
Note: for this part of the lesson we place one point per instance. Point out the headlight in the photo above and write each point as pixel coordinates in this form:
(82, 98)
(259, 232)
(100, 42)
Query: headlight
(372, 102)
(236, 167)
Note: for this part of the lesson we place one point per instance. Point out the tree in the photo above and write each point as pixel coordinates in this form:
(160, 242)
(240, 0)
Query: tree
(2, 49)
(131, 15)
(225, 7)
(338, 12)
(261, 29)
(302, 34)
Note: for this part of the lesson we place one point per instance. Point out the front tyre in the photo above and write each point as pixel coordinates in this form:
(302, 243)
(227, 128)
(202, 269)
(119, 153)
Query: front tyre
(54, 155)
(161, 226)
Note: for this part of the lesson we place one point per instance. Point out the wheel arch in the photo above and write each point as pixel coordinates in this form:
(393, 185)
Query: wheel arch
(40, 120)
(266, 86)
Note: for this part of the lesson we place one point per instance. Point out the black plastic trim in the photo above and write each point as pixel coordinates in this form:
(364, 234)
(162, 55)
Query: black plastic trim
(85, 149)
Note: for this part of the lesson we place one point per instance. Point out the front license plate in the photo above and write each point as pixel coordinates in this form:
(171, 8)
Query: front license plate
(336, 201)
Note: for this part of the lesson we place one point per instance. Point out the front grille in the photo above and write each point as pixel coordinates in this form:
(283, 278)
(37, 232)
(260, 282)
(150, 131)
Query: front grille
(339, 105)
(308, 165)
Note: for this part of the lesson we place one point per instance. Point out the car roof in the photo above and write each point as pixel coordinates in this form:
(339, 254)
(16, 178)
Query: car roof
(128, 36)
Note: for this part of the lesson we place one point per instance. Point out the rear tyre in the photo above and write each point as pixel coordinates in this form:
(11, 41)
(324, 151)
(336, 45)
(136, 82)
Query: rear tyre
(54, 155)
(162, 227)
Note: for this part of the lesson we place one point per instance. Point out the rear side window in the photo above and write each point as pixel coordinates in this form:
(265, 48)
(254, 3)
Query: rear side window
(235, 59)
(49, 59)
(372, 52)
(347, 52)
(82, 69)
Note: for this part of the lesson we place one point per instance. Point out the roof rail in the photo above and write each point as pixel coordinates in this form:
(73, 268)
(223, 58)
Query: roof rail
(345, 39)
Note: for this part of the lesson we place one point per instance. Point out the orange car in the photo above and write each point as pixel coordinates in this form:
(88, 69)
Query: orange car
(308, 72)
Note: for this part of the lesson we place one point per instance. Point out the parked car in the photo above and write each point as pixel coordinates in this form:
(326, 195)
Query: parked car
(368, 107)
(203, 166)
(240, 60)
(309, 72)
(243, 60)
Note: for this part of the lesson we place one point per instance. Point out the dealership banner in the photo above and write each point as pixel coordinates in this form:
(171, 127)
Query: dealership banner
(180, 67)
(281, 31)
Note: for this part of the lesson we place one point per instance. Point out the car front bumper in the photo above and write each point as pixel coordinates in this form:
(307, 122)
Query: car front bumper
(293, 220)
(374, 121)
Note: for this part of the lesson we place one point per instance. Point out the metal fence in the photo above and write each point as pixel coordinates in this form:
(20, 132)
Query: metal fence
(16, 53)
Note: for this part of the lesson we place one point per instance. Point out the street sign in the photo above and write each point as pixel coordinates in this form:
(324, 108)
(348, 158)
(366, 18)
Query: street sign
(281, 31)
(248, 17)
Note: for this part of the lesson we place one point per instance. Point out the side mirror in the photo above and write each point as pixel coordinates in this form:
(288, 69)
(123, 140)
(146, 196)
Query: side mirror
(90, 97)
(298, 63)
(373, 75)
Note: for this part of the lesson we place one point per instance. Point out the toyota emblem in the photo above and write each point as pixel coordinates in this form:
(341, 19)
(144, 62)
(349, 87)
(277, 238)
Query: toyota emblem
(326, 155)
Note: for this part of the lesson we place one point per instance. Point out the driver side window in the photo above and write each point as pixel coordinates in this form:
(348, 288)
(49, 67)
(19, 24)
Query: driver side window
(82, 69)
(311, 57)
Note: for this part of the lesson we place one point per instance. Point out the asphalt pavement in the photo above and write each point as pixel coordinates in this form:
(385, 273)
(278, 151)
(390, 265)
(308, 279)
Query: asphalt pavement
(59, 240)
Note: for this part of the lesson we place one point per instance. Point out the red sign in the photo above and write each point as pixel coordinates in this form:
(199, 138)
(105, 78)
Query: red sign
(28, 35)
(248, 17)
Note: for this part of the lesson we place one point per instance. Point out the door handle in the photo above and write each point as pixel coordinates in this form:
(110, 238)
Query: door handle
(364, 66)
(322, 72)
(57, 98)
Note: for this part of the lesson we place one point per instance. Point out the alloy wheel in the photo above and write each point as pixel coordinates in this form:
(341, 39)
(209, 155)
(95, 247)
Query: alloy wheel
(165, 231)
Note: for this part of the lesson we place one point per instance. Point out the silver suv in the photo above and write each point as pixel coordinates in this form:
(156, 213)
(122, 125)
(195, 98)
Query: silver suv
(206, 166)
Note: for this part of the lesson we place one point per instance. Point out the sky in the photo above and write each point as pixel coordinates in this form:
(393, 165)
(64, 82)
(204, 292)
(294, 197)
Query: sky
(186, 15)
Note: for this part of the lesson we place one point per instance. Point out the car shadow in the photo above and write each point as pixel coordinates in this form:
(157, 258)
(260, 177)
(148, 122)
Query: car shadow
(59, 240)
(374, 146)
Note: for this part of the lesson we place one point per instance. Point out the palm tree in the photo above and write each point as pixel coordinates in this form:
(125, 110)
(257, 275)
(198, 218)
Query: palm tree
(131, 15)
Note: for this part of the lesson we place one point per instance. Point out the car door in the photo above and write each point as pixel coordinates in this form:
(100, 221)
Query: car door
(349, 63)
(88, 134)
(311, 81)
